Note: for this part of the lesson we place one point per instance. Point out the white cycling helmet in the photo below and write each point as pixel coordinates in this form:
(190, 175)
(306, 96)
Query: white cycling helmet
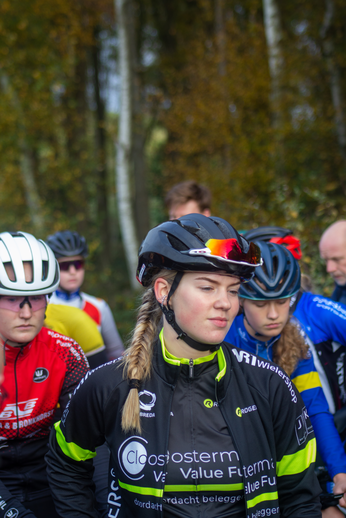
(19, 247)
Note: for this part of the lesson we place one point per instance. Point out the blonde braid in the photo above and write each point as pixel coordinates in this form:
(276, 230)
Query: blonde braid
(138, 357)
(290, 348)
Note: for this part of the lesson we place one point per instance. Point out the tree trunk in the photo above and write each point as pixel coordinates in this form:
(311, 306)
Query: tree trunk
(220, 36)
(139, 140)
(101, 172)
(334, 77)
(26, 166)
(124, 143)
(31, 193)
(273, 33)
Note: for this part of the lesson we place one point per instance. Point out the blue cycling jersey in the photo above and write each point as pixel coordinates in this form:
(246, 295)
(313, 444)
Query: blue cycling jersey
(306, 379)
(323, 322)
(321, 318)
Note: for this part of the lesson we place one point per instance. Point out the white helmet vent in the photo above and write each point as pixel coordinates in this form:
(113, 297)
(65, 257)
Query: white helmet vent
(19, 248)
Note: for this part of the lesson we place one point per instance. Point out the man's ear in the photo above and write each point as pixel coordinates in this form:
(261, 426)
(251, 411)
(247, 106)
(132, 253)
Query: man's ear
(161, 289)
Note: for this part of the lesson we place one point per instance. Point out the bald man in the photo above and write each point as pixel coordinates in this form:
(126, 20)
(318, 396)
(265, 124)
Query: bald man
(333, 252)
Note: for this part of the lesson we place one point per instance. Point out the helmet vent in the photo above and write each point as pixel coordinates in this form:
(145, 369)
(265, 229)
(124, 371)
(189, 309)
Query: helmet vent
(176, 243)
(44, 270)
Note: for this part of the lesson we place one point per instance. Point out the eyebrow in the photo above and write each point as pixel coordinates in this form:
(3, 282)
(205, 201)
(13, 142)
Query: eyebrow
(207, 279)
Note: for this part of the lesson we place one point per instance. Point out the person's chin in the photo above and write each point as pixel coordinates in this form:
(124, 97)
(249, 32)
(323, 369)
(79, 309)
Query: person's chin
(23, 336)
(340, 281)
(271, 332)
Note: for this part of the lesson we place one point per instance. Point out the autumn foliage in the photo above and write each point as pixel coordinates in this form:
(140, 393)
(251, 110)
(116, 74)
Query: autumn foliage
(204, 111)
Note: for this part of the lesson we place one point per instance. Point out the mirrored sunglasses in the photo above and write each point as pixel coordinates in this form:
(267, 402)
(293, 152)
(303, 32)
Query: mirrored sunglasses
(65, 266)
(15, 304)
(229, 250)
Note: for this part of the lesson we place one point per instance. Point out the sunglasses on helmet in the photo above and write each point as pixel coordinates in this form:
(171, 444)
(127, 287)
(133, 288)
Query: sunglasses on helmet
(228, 250)
(77, 263)
(15, 304)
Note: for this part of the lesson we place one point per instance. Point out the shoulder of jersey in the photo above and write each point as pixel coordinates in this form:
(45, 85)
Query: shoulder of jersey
(51, 337)
(93, 300)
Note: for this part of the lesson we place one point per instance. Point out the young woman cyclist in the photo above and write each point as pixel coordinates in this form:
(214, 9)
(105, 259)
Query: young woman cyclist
(194, 429)
(42, 370)
(322, 320)
(71, 250)
(265, 328)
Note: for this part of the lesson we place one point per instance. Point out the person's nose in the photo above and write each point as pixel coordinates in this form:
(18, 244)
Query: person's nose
(223, 300)
(25, 311)
(330, 266)
(272, 311)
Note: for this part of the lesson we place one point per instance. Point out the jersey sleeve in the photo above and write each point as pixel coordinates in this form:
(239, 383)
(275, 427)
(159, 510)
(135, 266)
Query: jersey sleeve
(110, 334)
(296, 452)
(73, 443)
(329, 444)
(10, 506)
(322, 318)
(76, 368)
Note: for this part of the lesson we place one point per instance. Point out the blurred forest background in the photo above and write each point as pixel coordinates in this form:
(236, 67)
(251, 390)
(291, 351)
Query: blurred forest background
(244, 96)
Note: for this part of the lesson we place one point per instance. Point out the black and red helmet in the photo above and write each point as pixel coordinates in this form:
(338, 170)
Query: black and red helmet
(278, 235)
(196, 243)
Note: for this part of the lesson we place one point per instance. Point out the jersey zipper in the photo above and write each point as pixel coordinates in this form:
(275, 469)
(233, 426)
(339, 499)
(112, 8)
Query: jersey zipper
(16, 384)
(191, 368)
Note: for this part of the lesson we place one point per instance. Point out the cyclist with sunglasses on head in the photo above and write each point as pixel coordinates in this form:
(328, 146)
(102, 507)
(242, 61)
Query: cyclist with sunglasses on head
(42, 370)
(265, 328)
(71, 249)
(193, 429)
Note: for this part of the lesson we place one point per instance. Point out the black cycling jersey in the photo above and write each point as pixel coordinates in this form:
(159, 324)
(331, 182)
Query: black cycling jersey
(194, 459)
(266, 424)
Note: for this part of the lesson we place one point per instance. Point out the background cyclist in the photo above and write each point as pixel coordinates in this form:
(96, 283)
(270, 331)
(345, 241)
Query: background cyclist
(42, 369)
(71, 249)
(264, 329)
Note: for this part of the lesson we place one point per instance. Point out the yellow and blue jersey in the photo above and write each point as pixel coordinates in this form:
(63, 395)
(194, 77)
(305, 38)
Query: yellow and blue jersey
(307, 381)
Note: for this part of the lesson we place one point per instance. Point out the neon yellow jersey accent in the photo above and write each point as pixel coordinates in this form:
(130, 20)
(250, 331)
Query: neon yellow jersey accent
(150, 491)
(174, 360)
(307, 381)
(70, 449)
(203, 487)
(264, 497)
(76, 324)
(297, 462)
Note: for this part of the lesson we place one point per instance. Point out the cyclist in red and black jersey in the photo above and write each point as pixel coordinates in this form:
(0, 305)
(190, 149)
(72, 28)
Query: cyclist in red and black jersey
(42, 370)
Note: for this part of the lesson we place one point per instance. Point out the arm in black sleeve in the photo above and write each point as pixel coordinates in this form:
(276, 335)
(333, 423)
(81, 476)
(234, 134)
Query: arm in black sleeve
(73, 442)
(10, 506)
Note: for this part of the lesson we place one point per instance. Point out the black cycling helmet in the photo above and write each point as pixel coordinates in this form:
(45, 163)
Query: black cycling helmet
(67, 244)
(278, 235)
(277, 278)
(266, 233)
(193, 243)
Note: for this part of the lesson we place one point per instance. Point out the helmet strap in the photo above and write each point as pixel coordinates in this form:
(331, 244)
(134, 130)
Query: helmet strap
(170, 317)
(247, 321)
